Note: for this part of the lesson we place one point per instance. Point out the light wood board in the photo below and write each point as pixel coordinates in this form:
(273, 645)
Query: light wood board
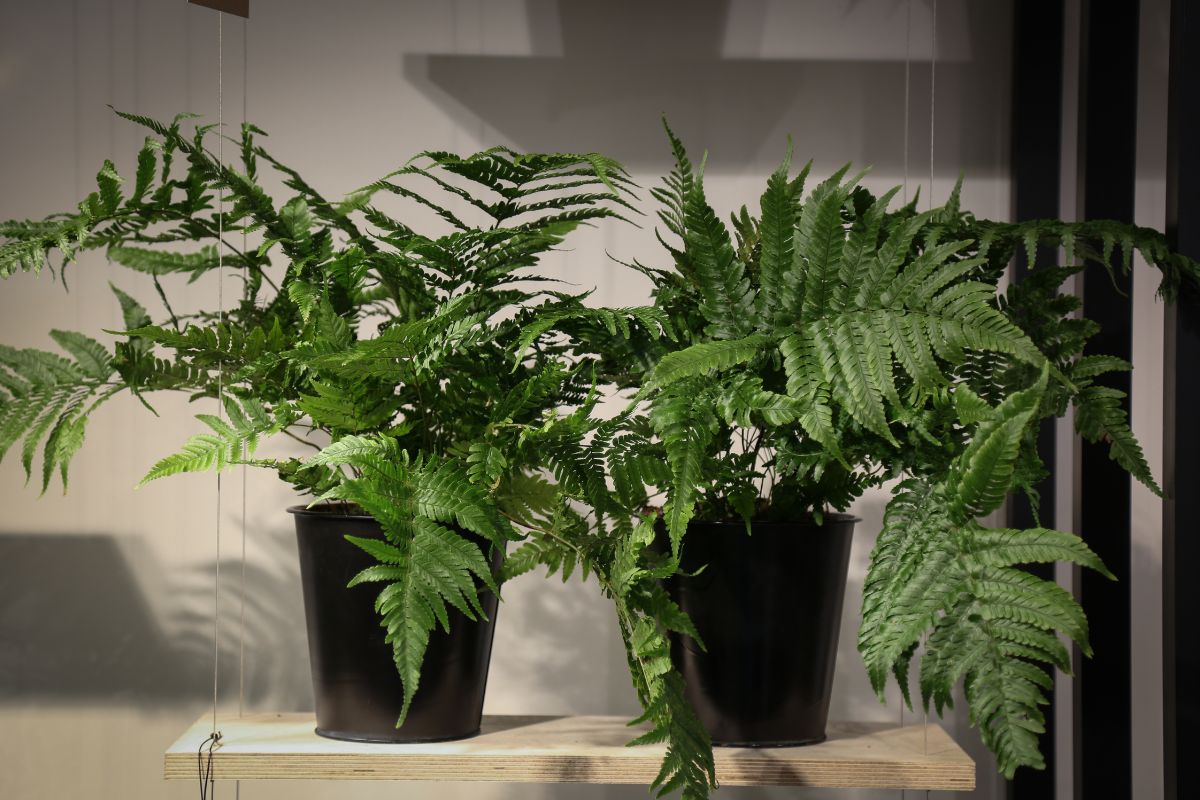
(572, 749)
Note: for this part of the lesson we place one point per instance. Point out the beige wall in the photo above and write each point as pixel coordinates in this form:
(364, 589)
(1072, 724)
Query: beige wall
(106, 594)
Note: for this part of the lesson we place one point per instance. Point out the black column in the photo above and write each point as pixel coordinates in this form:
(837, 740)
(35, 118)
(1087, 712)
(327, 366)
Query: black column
(1107, 145)
(1036, 159)
(1181, 420)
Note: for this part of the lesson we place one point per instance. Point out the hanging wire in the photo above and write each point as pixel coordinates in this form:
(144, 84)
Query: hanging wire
(207, 781)
(932, 127)
(483, 129)
(932, 95)
(907, 70)
(220, 362)
(907, 103)
(242, 590)
(237, 786)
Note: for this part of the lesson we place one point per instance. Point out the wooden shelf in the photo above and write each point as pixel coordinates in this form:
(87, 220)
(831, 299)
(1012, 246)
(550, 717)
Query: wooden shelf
(584, 749)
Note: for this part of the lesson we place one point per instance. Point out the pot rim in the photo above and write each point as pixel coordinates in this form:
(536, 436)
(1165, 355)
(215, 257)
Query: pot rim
(830, 517)
(310, 511)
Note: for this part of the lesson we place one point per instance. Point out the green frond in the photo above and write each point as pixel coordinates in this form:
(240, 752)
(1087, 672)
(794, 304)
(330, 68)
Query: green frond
(233, 440)
(728, 302)
(445, 493)
(572, 319)
(646, 614)
(162, 262)
(936, 570)
(685, 423)
(743, 401)
(705, 358)
(679, 183)
(226, 344)
(820, 242)
(1003, 547)
(1090, 366)
(688, 766)
(486, 465)
(908, 579)
(427, 573)
(1099, 417)
(383, 552)
(860, 265)
(147, 162)
(133, 313)
(578, 467)
(45, 400)
(982, 476)
(356, 451)
(888, 259)
(348, 408)
(777, 234)
(93, 359)
(808, 380)
(635, 465)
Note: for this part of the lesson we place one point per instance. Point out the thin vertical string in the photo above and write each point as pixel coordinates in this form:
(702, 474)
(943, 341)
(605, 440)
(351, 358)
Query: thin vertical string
(907, 71)
(932, 96)
(483, 132)
(907, 104)
(237, 786)
(76, 105)
(932, 129)
(112, 76)
(456, 146)
(207, 780)
(220, 361)
(242, 589)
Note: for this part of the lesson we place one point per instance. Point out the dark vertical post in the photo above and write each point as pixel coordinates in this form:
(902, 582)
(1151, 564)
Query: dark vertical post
(1107, 146)
(1181, 419)
(1036, 155)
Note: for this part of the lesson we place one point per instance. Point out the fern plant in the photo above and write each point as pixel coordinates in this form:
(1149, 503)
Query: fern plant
(830, 343)
(443, 419)
(385, 349)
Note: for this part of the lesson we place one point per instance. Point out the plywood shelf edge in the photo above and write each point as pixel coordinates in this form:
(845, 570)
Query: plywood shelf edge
(570, 749)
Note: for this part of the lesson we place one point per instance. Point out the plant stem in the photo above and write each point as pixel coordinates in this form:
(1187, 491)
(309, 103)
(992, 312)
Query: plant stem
(301, 440)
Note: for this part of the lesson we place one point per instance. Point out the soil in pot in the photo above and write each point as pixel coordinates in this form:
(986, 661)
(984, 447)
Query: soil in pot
(768, 607)
(356, 689)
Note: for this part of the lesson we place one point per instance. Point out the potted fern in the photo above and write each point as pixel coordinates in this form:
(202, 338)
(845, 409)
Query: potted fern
(829, 344)
(384, 350)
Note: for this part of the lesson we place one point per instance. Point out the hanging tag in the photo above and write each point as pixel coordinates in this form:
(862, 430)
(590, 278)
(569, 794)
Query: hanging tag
(239, 8)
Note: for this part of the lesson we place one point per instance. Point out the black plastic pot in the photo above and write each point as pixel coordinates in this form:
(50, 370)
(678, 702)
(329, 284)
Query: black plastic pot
(768, 607)
(357, 690)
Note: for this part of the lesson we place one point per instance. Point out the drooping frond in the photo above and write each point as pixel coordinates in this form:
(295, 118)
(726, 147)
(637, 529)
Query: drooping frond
(685, 423)
(427, 566)
(1099, 417)
(45, 400)
(426, 570)
(936, 570)
(233, 440)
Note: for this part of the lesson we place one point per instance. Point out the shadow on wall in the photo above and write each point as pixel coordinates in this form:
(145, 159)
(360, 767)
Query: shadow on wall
(99, 619)
(602, 73)
(558, 649)
(78, 623)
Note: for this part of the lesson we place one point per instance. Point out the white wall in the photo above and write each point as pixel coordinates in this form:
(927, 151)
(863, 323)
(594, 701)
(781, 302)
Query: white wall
(1146, 533)
(105, 607)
